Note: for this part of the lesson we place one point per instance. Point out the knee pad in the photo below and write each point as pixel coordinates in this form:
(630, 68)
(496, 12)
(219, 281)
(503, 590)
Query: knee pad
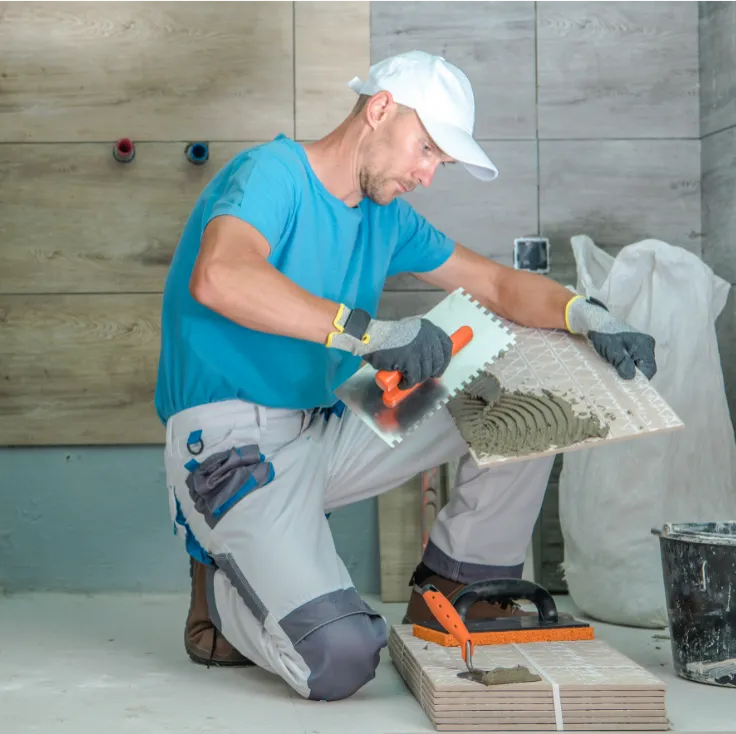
(341, 643)
(343, 655)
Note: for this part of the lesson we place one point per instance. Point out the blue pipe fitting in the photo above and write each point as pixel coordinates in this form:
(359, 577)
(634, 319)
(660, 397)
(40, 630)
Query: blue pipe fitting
(197, 153)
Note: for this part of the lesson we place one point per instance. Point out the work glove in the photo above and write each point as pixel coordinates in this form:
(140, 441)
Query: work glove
(616, 341)
(414, 346)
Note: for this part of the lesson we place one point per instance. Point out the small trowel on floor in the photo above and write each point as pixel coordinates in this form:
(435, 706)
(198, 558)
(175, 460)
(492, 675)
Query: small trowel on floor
(448, 617)
(478, 339)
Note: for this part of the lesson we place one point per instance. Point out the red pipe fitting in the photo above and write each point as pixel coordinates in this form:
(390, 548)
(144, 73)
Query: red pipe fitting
(124, 150)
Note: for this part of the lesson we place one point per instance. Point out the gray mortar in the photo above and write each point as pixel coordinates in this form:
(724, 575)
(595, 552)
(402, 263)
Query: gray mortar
(503, 676)
(497, 422)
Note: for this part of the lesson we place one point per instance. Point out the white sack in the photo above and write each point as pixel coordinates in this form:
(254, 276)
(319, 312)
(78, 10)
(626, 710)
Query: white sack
(612, 496)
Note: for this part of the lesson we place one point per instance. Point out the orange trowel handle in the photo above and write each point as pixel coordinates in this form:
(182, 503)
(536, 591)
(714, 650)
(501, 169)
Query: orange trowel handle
(388, 381)
(448, 617)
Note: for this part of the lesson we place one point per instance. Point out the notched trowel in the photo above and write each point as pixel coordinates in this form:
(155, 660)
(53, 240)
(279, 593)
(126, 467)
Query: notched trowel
(478, 339)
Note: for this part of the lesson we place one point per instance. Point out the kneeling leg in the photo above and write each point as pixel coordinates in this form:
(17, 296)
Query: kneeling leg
(276, 587)
(326, 648)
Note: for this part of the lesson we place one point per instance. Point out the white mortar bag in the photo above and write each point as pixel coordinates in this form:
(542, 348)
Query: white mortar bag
(612, 496)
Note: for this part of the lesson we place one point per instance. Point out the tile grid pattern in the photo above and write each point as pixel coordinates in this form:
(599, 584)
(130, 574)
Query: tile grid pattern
(589, 110)
(544, 83)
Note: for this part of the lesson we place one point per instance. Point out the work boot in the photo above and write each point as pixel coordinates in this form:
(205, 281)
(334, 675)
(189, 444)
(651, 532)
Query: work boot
(203, 641)
(418, 612)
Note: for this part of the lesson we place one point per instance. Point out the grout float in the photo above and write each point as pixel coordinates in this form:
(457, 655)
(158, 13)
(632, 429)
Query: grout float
(496, 422)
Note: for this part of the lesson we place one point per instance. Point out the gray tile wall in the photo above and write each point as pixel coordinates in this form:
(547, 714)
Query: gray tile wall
(717, 66)
(493, 43)
(618, 70)
(589, 110)
(718, 148)
(591, 113)
(619, 192)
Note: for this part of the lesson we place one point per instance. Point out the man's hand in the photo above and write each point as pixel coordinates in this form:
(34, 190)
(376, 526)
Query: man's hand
(538, 302)
(414, 346)
(616, 341)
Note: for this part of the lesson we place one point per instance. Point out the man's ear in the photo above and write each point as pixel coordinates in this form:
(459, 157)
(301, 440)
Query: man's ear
(379, 108)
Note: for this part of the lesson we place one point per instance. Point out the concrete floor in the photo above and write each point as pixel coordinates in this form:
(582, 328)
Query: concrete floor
(81, 664)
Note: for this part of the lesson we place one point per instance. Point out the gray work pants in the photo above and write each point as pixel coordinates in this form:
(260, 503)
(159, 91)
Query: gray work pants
(249, 488)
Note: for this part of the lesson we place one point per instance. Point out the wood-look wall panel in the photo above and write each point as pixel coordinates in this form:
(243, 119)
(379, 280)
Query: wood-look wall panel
(79, 369)
(332, 44)
(92, 71)
(74, 220)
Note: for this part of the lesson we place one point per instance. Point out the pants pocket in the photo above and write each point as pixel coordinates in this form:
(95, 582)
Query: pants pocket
(224, 478)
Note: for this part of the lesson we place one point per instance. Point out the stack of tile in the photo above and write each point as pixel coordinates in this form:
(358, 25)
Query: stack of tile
(585, 685)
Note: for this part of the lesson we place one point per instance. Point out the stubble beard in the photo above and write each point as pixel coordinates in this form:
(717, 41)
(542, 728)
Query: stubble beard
(373, 186)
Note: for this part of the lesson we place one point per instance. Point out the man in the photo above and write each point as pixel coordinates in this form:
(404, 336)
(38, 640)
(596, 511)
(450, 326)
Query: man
(270, 304)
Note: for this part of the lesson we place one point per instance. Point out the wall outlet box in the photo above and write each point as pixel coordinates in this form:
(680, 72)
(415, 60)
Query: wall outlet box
(531, 253)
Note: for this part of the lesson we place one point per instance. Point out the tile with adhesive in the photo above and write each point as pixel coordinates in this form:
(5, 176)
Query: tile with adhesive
(569, 366)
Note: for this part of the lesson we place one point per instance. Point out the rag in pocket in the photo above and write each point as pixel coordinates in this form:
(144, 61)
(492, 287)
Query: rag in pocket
(223, 479)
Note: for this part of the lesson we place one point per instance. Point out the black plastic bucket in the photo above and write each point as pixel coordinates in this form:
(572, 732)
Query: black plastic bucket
(699, 569)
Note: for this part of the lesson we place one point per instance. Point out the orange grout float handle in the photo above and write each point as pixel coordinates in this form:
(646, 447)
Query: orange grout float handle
(388, 380)
(448, 617)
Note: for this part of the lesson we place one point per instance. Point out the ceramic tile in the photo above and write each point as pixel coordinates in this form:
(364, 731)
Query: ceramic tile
(555, 360)
(618, 70)
(483, 216)
(618, 192)
(719, 202)
(492, 42)
(82, 72)
(331, 46)
(717, 66)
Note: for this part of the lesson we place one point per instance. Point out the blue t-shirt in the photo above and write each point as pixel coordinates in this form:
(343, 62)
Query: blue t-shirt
(328, 248)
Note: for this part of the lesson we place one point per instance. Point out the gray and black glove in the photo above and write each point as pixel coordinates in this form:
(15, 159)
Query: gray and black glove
(616, 341)
(414, 346)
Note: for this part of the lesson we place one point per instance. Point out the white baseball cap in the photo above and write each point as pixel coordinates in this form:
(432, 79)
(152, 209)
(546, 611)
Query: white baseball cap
(443, 99)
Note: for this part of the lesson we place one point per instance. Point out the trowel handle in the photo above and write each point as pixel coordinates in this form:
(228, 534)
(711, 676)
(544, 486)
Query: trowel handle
(448, 617)
(388, 380)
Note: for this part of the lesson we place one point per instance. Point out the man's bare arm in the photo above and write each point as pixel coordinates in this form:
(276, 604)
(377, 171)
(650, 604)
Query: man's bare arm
(525, 298)
(232, 277)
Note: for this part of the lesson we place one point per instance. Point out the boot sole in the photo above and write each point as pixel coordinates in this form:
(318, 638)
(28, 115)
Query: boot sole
(199, 660)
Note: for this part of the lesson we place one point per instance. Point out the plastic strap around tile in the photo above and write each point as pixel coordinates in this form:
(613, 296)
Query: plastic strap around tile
(559, 723)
